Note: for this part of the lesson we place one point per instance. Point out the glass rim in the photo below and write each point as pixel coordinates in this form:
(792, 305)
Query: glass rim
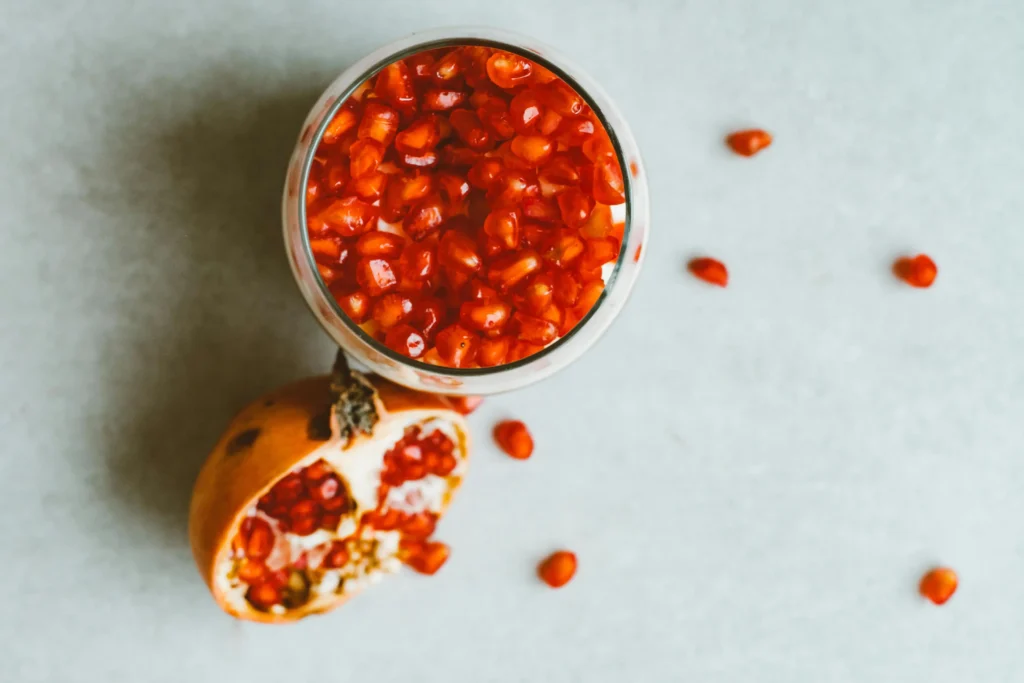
(458, 37)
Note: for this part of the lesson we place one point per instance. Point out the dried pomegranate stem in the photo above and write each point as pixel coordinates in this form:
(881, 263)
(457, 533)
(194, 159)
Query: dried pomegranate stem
(355, 408)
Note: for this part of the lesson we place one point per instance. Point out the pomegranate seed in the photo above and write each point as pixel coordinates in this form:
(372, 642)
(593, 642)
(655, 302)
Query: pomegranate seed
(369, 187)
(466, 404)
(418, 261)
(425, 217)
(264, 596)
(379, 122)
(503, 225)
(251, 571)
(427, 159)
(336, 504)
(337, 179)
(260, 540)
(420, 525)
(440, 99)
(344, 121)
(525, 111)
(336, 557)
(365, 155)
(558, 569)
(288, 490)
(428, 314)
(938, 585)
(538, 294)
(749, 142)
(486, 173)
(608, 187)
(375, 275)
(458, 250)
(384, 244)
(513, 438)
(328, 487)
(485, 316)
(918, 271)
(599, 224)
(448, 67)
(535, 330)
(454, 188)
(446, 465)
(508, 70)
(575, 207)
(563, 99)
(425, 557)
(710, 270)
(470, 129)
(589, 295)
(567, 289)
(355, 305)
(541, 209)
(495, 116)
(349, 217)
(456, 345)
(598, 252)
(391, 309)
(406, 340)
(329, 521)
(533, 149)
(493, 351)
(508, 271)
(395, 86)
(422, 135)
(304, 526)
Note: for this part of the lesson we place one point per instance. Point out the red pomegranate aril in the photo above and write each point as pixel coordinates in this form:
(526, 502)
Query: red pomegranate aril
(522, 349)
(422, 135)
(486, 172)
(425, 217)
(507, 70)
(747, 143)
(493, 352)
(336, 557)
(380, 122)
(574, 132)
(535, 330)
(336, 504)
(259, 538)
(477, 290)
(355, 305)
(458, 250)
(466, 404)
(459, 156)
(563, 99)
(448, 67)
(421, 66)
(938, 585)
(470, 129)
(554, 315)
(375, 275)
(709, 270)
(327, 251)
(589, 295)
(918, 271)
(364, 156)
(425, 557)
(525, 111)
(337, 178)
(538, 293)
(428, 315)
(558, 569)
(264, 595)
(575, 207)
(394, 85)
(533, 149)
(391, 309)
(495, 116)
(345, 120)
(419, 525)
(541, 209)
(508, 271)
(484, 316)
(514, 438)
(567, 289)
(349, 217)
(288, 490)
(384, 244)
(456, 345)
(406, 340)
(251, 571)
(599, 224)
(453, 187)
(503, 225)
(418, 261)
(369, 187)
(304, 526)
(447, 465)
(564, 248)
(440, 99)
(330, 520)
(599, 252)
(608, 187)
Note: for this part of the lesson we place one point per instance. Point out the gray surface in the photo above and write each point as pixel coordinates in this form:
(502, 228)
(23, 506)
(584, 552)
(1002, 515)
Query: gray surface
(754, 478)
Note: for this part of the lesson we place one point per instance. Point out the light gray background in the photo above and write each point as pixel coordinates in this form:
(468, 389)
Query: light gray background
(754, 479)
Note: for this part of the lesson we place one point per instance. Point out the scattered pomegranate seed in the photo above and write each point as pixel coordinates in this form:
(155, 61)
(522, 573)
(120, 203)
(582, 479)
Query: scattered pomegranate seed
(749, 142)
(938, 585)
(498, 179)
(514, 438)
(710, 270)
(918, 271)
(558, 569)
(426, 557)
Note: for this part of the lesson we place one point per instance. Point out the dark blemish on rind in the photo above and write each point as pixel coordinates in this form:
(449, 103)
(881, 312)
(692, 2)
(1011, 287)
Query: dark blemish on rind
(268, 403)
(242, 441)
(319, 428)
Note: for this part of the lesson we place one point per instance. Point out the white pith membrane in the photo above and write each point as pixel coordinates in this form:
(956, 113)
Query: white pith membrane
(372, 552)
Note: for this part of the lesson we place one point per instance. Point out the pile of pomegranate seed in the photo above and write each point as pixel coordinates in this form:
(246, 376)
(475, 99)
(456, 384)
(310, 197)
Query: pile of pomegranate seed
(460, 207)
(938, 585)
(558, 569)
(304, 501)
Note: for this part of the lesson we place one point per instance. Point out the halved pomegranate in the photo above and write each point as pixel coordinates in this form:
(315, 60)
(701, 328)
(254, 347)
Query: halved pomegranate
(319, 489)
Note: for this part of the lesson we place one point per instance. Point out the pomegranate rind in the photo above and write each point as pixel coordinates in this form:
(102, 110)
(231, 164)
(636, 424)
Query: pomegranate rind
(268, 439)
